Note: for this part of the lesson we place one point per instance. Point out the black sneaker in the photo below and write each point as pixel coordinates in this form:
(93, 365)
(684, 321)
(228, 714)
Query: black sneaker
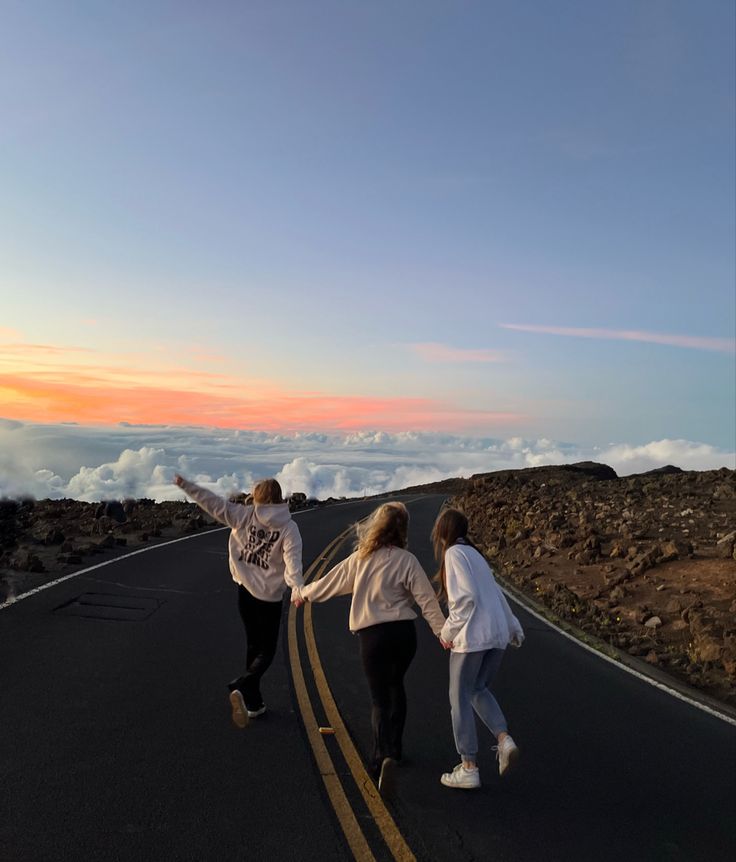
(256, 711)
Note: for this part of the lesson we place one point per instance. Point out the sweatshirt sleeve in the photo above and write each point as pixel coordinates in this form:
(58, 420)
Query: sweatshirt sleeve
(421, 589)
(337, 582)
(293, 557)
(234, 515)
(460, 593)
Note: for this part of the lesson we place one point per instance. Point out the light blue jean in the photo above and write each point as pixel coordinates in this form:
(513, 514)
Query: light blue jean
(471, 674)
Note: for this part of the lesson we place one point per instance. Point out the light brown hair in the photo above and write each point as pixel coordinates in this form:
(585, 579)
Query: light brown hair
(451, 525)
(267, 491)
(388, 525)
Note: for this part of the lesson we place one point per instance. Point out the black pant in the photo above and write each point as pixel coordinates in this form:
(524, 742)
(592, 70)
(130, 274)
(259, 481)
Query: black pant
(261, 621)
(386, 650)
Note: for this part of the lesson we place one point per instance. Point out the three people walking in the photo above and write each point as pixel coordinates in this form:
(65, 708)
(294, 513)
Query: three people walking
(385, 580)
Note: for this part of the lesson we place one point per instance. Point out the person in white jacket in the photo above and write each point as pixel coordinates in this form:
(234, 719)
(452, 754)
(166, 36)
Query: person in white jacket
(385, 581)
(265, 552)
(480, 625)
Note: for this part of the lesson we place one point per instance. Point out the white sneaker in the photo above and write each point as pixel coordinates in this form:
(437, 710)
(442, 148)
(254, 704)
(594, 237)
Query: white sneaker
(466, 779)
(254, 713)
(507, 754)
(241, 716)
(387, 778)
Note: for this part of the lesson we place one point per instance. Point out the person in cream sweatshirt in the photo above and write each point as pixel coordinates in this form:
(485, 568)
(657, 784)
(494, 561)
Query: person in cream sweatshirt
(265, 557)
(480, 625)
(385, 581)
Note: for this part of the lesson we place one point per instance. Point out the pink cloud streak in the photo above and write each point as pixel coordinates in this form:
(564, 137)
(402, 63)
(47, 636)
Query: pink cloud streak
(431, 351)
(719, 345)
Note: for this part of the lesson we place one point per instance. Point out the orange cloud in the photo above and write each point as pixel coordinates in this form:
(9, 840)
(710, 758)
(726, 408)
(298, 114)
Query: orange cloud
(58, 384)
(93, 402)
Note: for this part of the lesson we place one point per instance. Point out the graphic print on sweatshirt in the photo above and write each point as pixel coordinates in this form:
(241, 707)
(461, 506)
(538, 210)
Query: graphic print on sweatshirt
(258, 546)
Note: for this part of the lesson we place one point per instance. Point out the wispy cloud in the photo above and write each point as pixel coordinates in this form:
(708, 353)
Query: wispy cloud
(432, 351)
(25, 350)
(695, 342)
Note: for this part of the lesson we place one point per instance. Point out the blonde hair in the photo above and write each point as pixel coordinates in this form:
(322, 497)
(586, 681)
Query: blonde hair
(388, 525)
(267, 491)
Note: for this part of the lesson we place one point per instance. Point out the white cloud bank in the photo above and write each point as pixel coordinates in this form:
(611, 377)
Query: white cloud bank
(140, 461)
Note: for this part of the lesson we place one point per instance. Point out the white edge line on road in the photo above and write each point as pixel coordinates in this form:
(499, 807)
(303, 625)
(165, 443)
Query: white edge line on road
(16, 599)
(660, 685)
(46, 586)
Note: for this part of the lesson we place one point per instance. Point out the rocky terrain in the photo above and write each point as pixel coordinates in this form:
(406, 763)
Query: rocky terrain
(646, 562)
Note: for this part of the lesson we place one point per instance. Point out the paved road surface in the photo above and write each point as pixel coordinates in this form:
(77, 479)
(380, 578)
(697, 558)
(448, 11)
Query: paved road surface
(116, 743)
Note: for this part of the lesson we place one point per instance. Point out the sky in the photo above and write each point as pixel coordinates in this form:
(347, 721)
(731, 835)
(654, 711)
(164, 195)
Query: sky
(472, 227)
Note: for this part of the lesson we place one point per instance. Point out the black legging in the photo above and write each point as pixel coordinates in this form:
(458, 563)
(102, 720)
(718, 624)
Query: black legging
(261, 621)
(387, 650)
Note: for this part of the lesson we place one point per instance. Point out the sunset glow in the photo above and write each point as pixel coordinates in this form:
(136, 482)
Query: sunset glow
(58, 384)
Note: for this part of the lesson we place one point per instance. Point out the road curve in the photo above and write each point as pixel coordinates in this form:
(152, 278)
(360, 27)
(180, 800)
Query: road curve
(116, 742)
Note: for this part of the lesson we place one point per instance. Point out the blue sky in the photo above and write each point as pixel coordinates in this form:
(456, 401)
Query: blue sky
(280, 201)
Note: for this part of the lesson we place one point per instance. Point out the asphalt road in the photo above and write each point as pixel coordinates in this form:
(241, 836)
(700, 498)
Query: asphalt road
(116, 742)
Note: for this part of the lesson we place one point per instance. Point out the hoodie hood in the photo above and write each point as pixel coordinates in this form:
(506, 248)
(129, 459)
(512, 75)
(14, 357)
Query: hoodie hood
(273, 515)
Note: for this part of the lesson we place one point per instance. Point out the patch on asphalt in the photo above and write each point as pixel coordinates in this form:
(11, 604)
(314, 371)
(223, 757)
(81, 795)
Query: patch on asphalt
(104, 606)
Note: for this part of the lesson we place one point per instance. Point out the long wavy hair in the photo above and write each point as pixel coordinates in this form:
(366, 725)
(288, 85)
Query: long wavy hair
(450, 526)
(388, 525)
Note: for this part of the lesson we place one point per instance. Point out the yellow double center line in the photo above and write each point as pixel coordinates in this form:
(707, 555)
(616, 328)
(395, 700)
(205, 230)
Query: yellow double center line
(351, 828)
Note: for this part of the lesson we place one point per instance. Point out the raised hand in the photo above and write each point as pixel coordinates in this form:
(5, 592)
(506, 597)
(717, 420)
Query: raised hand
(178, 480)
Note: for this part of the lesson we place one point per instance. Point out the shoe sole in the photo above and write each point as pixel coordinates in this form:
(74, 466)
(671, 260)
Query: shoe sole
(387, 778)
(459, 786)
(240, 713)
(511, 761)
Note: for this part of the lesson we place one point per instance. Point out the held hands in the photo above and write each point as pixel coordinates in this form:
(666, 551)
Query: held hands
(446, 644)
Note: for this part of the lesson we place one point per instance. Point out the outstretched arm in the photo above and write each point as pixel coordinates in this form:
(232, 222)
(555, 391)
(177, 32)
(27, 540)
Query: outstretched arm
(232, 514)
(337, 582)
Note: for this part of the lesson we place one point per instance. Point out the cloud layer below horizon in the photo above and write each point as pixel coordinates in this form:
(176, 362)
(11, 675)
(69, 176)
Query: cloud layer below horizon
(87, 463)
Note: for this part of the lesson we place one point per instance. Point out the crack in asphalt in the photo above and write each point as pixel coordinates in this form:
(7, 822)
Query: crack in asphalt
(152, 589)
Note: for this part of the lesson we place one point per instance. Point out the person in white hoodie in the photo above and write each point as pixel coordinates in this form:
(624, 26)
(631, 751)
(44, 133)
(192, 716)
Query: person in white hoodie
(265, 551)
(480, 625)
